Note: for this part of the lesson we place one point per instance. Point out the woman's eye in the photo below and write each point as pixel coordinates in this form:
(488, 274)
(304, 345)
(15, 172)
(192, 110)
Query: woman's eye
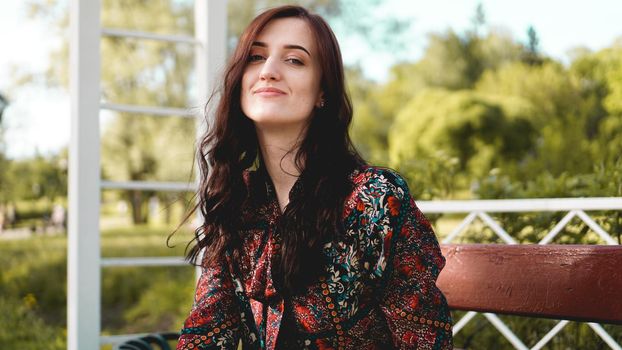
(294, 61)
(255, 58)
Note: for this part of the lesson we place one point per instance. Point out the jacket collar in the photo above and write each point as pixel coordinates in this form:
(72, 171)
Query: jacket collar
(268, 190)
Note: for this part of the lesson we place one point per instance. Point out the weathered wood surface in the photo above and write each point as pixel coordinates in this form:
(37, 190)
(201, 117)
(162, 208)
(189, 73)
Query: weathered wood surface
(573, 282)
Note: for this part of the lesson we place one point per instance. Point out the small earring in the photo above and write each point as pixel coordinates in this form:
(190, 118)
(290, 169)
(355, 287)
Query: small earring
(322, 103)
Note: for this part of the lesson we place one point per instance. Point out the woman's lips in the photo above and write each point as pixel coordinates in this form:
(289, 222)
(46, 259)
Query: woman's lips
(269, 92)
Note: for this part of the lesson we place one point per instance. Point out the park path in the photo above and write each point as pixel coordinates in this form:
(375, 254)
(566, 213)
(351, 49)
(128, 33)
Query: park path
(25, 233)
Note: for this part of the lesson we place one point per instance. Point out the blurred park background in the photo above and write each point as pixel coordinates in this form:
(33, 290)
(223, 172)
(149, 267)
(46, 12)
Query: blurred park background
(467, 99)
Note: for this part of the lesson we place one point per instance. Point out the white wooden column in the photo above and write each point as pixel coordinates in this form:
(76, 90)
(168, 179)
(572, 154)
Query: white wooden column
(83, 251)
(210, 18)
(210, 30)
(210, 25)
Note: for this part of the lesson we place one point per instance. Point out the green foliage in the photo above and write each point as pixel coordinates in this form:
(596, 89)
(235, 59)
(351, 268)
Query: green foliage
(529, 119)
(613, 102)
(152, 74)
(4, 162)
(31, 187)
(370, 124)
(603, 181)
(5, 177)
(22, 328)
(138, 300)
(548, 87)
(431, 177)
(497, 49)
(600, 74)
(36, 178)
(450, 62)
(479, 333)
(532, 55)
(455, 62)
(532, 46)
(172, 291)
(33, 288)
(475, 129)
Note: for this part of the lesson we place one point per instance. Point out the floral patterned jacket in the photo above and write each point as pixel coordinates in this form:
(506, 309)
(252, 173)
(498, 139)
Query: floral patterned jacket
(378, 293)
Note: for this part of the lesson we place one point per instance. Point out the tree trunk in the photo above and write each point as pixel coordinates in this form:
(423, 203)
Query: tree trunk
(136, 202)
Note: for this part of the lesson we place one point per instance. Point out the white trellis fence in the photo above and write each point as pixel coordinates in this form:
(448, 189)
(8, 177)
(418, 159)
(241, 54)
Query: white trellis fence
(84, 262)
(575, 207)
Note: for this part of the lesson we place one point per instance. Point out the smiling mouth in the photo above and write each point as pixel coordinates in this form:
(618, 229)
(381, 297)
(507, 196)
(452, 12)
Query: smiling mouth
(269, 92)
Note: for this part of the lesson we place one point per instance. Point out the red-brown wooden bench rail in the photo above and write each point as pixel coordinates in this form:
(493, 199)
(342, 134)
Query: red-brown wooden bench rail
(571, 282)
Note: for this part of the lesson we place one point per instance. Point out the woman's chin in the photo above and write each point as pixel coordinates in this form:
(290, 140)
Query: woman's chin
(273, 119)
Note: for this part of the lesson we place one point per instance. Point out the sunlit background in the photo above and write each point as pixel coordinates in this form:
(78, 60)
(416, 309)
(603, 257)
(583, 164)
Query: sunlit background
(30, 38)
(468, 99)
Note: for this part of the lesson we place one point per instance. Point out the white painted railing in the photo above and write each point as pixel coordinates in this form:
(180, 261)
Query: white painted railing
(520, 205)
(575, 207)
(150, 110)
(84, 253)
(134, 34)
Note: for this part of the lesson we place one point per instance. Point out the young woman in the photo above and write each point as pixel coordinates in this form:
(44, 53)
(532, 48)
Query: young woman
(305, 246)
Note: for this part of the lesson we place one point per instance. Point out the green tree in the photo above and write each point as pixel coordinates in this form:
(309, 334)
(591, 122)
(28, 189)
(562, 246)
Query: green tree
(456, 61)
(557, 114)
(149, 73)
(600, 77)
(481, 132)
(453, 61)
(141, 147)
(377, 105)
(613, 102)
(450, 61)
(38, 177)
(532, 54)
(479, 18)
(4, 162)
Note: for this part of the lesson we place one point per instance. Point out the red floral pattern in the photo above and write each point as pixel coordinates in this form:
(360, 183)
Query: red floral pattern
(377, 293)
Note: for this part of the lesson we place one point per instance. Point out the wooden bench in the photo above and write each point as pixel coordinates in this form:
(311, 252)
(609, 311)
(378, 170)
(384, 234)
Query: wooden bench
(571, 282)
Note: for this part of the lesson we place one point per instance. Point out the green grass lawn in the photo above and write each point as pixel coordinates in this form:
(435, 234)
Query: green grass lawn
(33, 287)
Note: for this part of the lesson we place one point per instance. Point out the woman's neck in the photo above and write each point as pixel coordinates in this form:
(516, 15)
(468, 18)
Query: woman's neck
(278, 150)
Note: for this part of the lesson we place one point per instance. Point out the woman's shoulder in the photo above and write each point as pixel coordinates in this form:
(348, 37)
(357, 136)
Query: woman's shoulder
(379, 180)
(376, 189)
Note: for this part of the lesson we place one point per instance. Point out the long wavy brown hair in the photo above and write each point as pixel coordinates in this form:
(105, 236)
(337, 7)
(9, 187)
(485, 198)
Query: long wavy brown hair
(325, 158)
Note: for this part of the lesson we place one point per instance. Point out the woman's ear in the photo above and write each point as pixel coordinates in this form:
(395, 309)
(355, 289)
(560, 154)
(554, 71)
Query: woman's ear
(320, 100)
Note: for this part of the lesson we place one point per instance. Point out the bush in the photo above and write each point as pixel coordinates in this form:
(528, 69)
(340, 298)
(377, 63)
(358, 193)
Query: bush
(21, 326)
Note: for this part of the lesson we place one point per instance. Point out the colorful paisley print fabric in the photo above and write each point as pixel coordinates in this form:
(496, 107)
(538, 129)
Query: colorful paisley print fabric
(378, 290)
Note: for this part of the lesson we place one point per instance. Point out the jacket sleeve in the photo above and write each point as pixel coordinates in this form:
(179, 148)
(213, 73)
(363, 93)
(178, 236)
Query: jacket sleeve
(214, 321)
(415, 309)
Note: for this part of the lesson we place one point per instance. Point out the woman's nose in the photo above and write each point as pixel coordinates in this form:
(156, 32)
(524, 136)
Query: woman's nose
(270, 70)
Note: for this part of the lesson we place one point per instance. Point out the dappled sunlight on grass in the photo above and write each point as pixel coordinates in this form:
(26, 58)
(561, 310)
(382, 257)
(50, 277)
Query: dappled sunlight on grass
(134, 299)
(143, 241)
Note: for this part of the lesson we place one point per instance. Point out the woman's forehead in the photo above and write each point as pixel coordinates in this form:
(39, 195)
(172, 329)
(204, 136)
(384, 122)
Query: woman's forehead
(287, 31)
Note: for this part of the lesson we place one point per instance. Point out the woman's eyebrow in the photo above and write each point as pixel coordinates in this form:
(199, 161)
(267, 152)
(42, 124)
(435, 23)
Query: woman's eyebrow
(289, 46)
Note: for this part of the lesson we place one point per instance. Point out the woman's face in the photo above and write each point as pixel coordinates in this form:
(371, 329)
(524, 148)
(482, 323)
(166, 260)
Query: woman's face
(281, 82)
